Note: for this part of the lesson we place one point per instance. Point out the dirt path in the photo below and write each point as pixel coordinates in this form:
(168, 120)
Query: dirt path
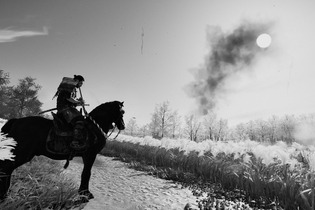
(117, 187)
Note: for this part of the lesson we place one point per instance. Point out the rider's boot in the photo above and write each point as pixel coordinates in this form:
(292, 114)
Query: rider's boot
(79, 136)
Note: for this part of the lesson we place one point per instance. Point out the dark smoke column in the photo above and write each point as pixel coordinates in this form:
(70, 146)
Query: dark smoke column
(229, 53)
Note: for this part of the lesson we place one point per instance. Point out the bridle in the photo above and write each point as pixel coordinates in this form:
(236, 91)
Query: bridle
(122, 113)
(107, 136)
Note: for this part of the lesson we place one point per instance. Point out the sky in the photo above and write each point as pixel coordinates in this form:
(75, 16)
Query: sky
(197, 55)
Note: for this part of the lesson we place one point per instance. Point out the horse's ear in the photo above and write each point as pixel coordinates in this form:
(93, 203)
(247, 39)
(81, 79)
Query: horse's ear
(122, 103)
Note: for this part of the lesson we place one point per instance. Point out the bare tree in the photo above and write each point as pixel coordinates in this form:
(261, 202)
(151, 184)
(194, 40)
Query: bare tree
(240, 132)
(273, 126)
(209, 125)
(287, 126)
(161, 120)
(251, 130)
(213, 128)
(154, 126)
(192, 127)
(262, 130)
(273, 129)
(175, 124)
(222, 129)
(131, 127)
(144, 130)
(165, 115)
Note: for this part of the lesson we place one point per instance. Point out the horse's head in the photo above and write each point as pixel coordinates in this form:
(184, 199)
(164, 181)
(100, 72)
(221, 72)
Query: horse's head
(118, 115)
(108, 113)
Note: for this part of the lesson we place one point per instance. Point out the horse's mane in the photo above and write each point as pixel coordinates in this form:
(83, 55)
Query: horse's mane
(104, 108)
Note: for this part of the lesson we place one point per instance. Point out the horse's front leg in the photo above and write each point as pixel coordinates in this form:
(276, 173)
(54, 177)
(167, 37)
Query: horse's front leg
(88, 161)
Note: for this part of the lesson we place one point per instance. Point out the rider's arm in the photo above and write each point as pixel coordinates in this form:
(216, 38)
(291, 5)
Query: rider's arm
(73, 99)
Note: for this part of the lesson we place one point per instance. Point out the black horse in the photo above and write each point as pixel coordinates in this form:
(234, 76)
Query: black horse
(31, 134)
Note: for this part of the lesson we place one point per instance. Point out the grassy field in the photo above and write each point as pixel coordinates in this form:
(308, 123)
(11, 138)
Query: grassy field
(245, 175)
(40, 184)
(285, 181)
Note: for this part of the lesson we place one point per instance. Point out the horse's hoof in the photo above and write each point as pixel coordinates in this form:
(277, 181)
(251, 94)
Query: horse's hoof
(83, 199)
(87, 194)
(80, 201)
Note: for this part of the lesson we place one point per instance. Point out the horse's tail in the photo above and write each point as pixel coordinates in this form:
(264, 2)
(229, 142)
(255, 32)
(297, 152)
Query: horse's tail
(8, 125)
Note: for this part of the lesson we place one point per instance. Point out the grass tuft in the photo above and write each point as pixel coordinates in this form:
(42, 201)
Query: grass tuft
(40, 184)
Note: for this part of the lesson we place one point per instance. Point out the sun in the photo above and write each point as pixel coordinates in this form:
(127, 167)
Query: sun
(263, 40)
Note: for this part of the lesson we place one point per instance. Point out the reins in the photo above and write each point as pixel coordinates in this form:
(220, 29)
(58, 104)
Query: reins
(113, 131)
(99, 127)
(117, 134)
(87, 115)
(96, 124)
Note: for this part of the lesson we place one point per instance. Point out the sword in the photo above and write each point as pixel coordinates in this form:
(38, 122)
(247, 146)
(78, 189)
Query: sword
(53, 109)
(42, 112)
(84, 110)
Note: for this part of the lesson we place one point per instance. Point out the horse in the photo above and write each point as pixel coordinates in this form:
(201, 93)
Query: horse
(31, 134)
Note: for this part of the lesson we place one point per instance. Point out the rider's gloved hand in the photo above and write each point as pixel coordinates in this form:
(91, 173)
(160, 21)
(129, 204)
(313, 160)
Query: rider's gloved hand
(81, 101)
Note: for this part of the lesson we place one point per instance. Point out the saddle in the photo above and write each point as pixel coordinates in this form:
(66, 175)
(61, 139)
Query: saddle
(60, 136)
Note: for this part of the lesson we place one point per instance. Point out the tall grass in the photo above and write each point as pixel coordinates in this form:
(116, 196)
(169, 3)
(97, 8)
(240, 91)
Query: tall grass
(40, 184)
(285, 179)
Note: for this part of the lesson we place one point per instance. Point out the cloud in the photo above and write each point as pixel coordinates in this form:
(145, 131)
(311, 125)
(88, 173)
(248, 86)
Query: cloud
(8, 35)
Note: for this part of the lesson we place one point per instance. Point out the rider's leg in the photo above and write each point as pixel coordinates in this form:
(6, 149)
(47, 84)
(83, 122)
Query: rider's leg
(76, 120)
(79, 136)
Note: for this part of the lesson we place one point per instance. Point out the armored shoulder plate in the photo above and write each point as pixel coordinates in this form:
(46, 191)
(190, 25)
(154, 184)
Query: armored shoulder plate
(67, 84)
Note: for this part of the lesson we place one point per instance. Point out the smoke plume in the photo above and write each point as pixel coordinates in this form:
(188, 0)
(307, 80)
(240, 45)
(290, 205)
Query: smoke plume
(230, 52)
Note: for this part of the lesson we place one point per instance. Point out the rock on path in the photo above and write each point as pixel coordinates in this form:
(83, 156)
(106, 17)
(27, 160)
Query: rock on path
(117, 187)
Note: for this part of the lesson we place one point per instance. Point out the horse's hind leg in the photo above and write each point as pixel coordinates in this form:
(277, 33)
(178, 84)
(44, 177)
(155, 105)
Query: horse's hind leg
(4, 185)
(6, 169)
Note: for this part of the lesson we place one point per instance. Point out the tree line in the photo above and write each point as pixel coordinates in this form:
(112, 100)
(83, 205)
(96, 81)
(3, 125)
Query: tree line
(166, 122)
(20, 100)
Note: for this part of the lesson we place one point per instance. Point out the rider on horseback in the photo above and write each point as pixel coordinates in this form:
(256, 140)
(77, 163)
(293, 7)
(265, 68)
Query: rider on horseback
(66, 107)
